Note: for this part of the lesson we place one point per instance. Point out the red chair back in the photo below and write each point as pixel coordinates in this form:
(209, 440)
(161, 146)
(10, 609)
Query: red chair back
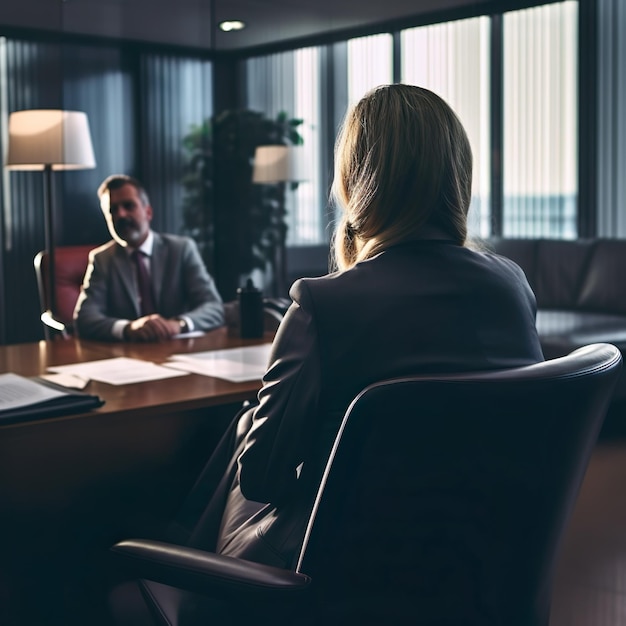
(70, 265)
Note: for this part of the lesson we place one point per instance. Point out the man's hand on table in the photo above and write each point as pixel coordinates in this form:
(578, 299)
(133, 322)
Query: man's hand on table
(151, 328)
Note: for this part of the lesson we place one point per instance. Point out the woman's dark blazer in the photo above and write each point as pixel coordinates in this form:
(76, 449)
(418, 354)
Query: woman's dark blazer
(427, 306)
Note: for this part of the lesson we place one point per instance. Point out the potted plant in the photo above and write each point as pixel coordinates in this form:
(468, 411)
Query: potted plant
(236, 223)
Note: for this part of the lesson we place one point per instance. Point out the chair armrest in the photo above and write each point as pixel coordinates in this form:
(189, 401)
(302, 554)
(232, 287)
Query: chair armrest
(206, 572)
(53, 325)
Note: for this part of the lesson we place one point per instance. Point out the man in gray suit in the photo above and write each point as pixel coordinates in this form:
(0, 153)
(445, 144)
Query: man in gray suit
(143, 286)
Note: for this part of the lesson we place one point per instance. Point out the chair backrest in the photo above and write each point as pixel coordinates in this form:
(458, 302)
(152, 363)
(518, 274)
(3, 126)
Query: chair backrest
(445, 497)
(70, 266)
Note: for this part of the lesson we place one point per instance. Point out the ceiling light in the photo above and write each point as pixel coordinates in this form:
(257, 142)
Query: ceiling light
(229, 25)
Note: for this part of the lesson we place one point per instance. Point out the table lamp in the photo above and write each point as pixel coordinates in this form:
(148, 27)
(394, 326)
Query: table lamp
(277, 165)
(49, 139)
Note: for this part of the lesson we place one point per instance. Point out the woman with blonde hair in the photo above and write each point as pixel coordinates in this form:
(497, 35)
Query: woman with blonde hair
(408, 297)
(403, 170)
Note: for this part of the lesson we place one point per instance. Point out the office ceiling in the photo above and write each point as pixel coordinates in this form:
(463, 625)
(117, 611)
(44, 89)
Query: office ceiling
(271, 21)
(191, 23)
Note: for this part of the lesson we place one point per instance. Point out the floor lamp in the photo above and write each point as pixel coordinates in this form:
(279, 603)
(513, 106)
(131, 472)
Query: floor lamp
(279, 165)
(49, 139)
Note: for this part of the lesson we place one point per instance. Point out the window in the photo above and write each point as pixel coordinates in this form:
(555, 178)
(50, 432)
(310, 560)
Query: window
(289, 82)
(370, 63)
(535, 142)
(611, 121)
(452, 59)
(540, 156)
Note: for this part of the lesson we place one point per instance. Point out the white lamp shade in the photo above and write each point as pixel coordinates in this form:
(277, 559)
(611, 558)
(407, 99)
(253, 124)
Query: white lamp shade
(40, 137)
(275, 164)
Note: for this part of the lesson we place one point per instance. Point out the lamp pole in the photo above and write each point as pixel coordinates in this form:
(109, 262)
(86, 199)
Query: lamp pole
(49, 235)
(49, 139)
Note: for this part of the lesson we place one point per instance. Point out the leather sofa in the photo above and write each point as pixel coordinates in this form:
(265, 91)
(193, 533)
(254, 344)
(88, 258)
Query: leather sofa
(580, 286)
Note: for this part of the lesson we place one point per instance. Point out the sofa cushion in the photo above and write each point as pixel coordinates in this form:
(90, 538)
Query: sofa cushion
(521, 251)
(560, 270)
(603, 288)
(554, 268)
(581, 298)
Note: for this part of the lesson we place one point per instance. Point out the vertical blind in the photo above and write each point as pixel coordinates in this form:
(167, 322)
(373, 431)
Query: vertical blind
(370, 63)
(289, 81)
(539, 118)
(540, 121)
(305, 218)
(176, 96)
(452, 59)
(611, 171)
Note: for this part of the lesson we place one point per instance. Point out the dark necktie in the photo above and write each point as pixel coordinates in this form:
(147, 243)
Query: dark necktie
(146, 297)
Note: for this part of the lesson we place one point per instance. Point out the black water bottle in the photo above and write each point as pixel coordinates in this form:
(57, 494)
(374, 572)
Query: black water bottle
(250, 310)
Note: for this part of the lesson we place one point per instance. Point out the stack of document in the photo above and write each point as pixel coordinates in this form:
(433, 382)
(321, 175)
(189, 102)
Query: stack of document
(235, 364)
(24, 399)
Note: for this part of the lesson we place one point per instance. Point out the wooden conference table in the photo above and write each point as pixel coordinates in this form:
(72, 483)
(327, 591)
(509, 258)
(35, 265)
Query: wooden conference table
(71, 485)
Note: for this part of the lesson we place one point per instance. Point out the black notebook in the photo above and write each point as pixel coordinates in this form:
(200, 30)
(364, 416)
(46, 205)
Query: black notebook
(25, 399)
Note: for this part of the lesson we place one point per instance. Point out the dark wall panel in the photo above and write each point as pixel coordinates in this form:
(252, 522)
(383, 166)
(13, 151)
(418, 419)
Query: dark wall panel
(54, 75)
(33, 81)
(99, 81)
(175, 95)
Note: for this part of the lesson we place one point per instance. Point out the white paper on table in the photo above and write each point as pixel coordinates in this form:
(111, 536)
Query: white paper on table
(235, 364)
(190, 334)
(73, 381)
(118, 371)
(17, 391)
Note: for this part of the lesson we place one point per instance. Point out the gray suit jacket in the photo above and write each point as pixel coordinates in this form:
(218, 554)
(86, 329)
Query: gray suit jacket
(182, 286)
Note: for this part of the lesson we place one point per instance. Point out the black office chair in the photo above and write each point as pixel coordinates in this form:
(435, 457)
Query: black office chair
(443, 502)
